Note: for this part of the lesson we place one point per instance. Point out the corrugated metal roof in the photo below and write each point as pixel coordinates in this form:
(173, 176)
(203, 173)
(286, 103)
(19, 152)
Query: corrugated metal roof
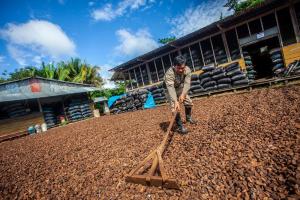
(205, 31)
(32, 88)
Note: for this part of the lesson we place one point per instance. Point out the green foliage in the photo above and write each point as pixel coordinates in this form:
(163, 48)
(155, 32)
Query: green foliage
(231, 4)
(166, 40)
(47, 71)
(2, 80)
(120, 89)
(241, 6)
(23, 73)
(74, 71)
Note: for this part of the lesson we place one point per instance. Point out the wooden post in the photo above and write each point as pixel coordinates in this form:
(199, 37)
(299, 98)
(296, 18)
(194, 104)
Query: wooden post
(148, 73)
(294, 21)
(40, 106)
(63, 104)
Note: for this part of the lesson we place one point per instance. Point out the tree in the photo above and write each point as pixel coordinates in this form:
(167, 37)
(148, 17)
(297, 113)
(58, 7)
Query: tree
(221, 16)
(166, 40)
(118, 90)
(238, 6)
(231, 4)
(81, 72)
(92, 76)
(2, 80)
(23, 73)
(47, 71)
(73, 71)
(62, 72)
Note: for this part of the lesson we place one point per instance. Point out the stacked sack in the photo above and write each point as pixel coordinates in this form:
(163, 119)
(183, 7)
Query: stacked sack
(293, 68)
(236, 75)
(130, 102)
(196, 87)
(217, 78)
(159, 93)
(78, 109)
(85, 109)
(74, 110)
(49, 116)
(277, 60)
(249, 67)
(220, 55)
(220, 77)
(15, 110)
(208, 79)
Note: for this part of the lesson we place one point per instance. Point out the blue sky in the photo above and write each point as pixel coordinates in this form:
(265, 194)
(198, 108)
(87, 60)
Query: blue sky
(104, 33)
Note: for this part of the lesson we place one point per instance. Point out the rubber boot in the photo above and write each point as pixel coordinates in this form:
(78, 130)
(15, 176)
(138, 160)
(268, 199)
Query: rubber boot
(188, 115)
(180, 128)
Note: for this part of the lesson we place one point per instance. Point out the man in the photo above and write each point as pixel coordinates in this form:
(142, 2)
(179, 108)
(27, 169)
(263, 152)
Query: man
(178, 82)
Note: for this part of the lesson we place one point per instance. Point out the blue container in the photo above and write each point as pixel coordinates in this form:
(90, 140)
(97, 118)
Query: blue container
(31, 130)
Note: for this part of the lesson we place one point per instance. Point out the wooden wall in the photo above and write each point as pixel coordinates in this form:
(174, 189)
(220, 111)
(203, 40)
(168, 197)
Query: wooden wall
(19, 124)
(291, 53)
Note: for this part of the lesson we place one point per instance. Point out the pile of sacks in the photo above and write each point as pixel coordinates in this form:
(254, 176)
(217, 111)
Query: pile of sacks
(159, 93)
(132, 101)
(49, 116)
(15, 110)
(78, 109)
(217, 78)
(277, 60)
(251, 73)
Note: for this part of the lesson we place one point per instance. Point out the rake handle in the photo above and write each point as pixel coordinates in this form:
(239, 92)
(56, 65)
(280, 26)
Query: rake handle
(162, 146)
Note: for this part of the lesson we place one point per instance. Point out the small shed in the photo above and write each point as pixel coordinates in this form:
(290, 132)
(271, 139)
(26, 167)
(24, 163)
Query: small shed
(37, 100)
(102, 101)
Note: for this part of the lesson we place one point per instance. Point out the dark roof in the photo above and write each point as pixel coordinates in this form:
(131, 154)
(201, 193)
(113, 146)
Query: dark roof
(227, 22)
(37, 87)
(48, 79)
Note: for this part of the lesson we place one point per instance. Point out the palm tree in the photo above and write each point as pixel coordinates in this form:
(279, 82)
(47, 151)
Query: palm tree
(81, 72)
(62, 72)
(21, 73)
(48, 70)
(81, 75)
(74, 67)
(92, 76)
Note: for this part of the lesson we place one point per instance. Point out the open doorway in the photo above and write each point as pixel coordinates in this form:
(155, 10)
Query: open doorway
(260, 57)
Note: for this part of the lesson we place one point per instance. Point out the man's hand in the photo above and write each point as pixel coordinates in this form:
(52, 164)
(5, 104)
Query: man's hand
(181, 98)
(176, 107)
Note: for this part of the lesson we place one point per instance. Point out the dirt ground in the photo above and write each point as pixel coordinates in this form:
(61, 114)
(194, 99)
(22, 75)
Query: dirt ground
(245, 146)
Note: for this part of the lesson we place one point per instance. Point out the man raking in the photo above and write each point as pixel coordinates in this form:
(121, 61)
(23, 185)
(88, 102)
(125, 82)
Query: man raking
(178, 82)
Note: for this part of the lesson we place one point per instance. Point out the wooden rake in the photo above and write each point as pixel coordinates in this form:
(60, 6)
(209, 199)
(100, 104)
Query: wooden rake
(154, 174)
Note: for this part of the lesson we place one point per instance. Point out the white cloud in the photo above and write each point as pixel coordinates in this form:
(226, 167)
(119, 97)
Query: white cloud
(18, 55)
(36, 39)
(108, 13)
(198, 16)
(134, 44)
(106, 75)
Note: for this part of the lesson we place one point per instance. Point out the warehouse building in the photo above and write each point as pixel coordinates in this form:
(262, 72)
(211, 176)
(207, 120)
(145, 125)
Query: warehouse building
(253, 33)
(32, 101)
